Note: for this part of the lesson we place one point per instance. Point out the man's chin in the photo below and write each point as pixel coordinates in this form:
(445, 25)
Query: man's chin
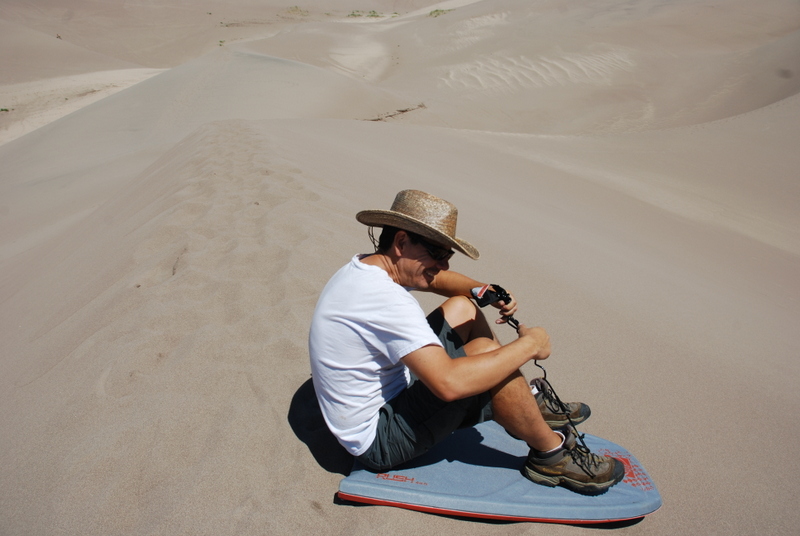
(428, 278)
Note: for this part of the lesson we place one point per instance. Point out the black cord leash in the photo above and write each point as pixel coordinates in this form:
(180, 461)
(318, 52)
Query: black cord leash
(485, 296)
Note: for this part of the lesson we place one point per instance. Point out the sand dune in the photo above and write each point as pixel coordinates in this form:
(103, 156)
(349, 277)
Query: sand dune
(34, 55)
(577, 71)
(35, 104)
(628, 170)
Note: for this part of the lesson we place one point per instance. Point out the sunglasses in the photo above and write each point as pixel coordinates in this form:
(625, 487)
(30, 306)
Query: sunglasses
(437, 253)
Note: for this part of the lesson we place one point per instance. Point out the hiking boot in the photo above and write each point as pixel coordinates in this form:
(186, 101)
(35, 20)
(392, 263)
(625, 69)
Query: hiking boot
(574, 466)
(554, 411)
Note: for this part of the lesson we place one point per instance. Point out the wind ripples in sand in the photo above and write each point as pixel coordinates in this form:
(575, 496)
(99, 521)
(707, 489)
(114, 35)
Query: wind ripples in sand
(509, 74)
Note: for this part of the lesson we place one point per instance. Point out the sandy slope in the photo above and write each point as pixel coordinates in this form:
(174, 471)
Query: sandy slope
(568, 67)
(34, 104)
(628, 169)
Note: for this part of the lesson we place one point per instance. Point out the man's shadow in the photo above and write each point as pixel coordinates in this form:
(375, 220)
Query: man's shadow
(309, 426)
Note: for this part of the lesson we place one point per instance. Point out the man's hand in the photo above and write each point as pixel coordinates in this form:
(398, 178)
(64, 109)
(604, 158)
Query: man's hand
(540, 338)
(506, 309)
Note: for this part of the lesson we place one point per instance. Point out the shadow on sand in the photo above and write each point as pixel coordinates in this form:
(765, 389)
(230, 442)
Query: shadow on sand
(307, 423)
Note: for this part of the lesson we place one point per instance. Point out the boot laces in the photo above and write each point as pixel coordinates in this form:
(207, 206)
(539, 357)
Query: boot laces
(551, 399)
(580, 453)
(583, 457)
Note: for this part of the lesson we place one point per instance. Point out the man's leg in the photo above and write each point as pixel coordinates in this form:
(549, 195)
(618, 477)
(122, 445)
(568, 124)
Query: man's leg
(513, 405)
(555, 458)
(516, 410)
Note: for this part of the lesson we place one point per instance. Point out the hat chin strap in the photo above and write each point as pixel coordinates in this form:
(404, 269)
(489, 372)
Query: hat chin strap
(371, 233)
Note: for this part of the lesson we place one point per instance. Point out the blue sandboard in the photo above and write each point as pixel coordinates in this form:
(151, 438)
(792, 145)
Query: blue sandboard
(476, 473)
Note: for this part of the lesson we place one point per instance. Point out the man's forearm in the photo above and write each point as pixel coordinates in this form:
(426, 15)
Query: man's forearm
(453, 379)
(449, 284)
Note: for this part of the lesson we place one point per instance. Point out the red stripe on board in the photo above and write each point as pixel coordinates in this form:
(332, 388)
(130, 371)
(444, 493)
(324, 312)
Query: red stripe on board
(496, 517)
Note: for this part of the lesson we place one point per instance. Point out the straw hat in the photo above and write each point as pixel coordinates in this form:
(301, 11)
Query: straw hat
(423, 214)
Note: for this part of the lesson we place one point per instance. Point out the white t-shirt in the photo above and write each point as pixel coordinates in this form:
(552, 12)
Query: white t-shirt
(364, 323)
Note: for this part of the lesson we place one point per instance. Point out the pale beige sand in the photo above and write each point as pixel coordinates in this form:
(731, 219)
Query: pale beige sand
(628, 170)
(34, 104)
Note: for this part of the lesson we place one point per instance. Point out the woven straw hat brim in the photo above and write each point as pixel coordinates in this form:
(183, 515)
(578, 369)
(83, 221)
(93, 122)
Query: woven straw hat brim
(381, 218)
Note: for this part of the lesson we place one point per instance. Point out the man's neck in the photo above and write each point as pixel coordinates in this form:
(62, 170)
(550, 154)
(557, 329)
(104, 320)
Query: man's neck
(383, 262)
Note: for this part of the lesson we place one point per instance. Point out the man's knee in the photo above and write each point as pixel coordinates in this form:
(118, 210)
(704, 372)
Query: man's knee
(481, 345)
(467, 320)
(459, 310)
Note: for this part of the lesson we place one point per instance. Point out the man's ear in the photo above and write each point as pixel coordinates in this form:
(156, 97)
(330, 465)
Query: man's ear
(400, 242)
